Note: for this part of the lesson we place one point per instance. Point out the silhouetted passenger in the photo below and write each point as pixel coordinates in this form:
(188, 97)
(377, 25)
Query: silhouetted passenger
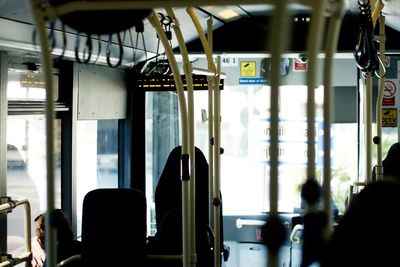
(367, 234)
(391, 164)
(64, 233)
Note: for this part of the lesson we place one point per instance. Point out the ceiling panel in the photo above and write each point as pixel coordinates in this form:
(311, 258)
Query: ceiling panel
(17, 27)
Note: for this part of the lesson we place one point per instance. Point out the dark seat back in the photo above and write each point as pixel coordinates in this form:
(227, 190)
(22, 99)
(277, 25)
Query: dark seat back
(168, 194)
(114, 228)
(168, 207)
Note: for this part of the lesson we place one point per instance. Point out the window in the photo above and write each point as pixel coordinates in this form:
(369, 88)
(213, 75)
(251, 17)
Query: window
(26, 158)
(162, 135)
(97, 159)
(245, 139)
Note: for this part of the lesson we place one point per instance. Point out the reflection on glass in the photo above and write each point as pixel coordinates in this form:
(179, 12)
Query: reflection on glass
(245, 137)
(26, 173)
(97, 159)
(162, 122)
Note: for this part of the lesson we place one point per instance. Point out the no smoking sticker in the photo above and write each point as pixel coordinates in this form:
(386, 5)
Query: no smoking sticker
(389, 93)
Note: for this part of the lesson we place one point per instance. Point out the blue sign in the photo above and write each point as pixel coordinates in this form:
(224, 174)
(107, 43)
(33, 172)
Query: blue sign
(252, 81)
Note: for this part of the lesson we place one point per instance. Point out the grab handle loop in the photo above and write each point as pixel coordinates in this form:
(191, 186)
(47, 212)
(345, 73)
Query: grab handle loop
(87, 51)
(121, 51)
(365, 52)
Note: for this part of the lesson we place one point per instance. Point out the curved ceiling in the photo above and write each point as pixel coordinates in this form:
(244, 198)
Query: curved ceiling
(237, 29)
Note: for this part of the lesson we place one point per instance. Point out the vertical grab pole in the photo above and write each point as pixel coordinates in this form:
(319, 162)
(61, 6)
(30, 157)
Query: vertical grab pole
(313, 45)
(187, 67)
(187, 258)
(367, 59)
(368, 131)
(211, 147)
(274, 232)
(27, 224)
(216, 181)
(214, 152)
(208, 51)
(314, 220)
(331, 45)
(382, 40)
(276, 47)
(210, 127)
(50, 163)
(217, 169)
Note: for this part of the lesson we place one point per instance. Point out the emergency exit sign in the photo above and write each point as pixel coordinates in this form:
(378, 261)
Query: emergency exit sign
(389, 117)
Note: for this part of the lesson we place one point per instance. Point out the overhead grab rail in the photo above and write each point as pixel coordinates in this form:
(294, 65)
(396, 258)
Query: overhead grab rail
(6, 206)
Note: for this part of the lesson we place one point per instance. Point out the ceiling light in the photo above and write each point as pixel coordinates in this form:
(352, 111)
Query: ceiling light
(228, 14)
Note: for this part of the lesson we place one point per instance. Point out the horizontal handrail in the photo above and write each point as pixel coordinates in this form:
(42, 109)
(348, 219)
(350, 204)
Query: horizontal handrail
(8, 207)
(251, 222)
(25, 256)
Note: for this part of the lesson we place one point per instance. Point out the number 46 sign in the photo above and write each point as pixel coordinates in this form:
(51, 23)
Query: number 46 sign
(228, 61)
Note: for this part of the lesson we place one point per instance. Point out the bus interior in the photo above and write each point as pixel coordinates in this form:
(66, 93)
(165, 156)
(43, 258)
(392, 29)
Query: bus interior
(291, 104)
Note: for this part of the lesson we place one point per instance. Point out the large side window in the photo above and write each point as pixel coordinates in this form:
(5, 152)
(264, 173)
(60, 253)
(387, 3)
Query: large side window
(26, 152)
(162, 135)
(245, 139)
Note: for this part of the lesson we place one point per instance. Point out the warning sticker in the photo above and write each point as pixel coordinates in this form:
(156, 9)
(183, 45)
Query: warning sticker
(389, 93)
(299, 65)
(389, 117)
(248, 69)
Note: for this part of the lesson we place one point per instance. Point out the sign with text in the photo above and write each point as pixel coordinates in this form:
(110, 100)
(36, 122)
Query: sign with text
(228, 61)
(252, 81)
(389, 117)
(293, 138)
